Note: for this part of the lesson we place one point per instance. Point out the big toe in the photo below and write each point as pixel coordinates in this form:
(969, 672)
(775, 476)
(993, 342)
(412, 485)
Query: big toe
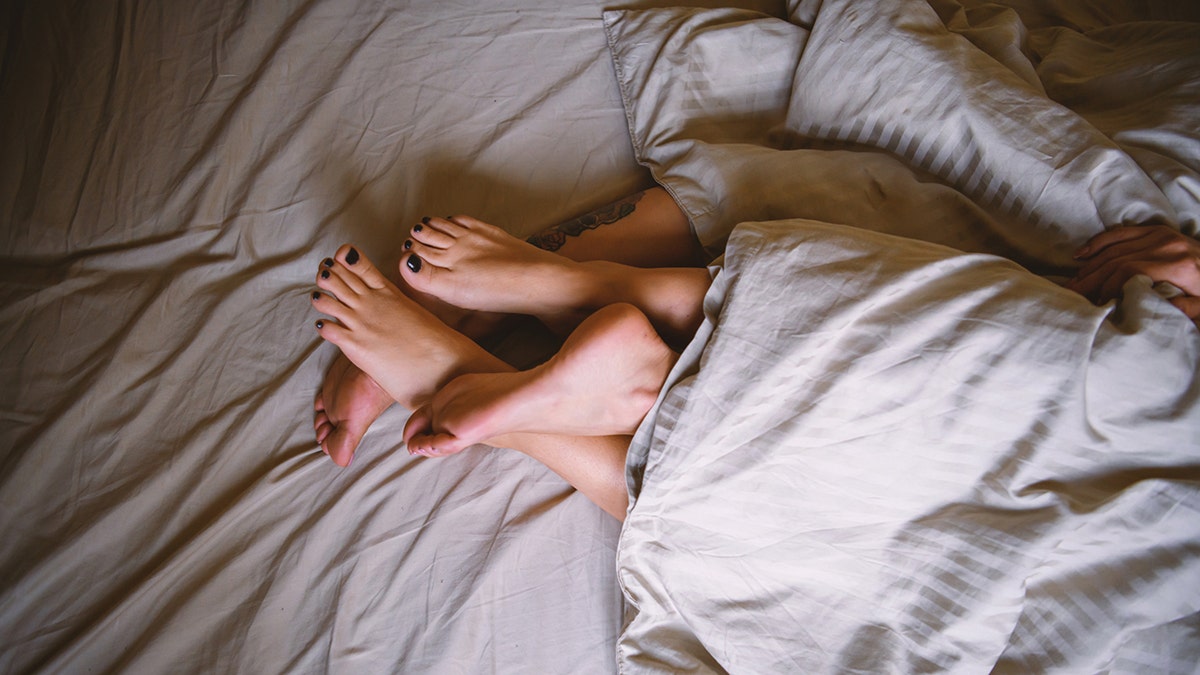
(341, 443)
(359, 265)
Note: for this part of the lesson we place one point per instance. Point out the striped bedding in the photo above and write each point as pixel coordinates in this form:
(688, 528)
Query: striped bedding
(893, 447)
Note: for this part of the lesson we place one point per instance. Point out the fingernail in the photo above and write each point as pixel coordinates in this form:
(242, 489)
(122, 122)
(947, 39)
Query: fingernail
(320, 324)
(417, 228)
(407, 244)
(316, 295)
(324, 274)
(328, 262)
(414, 263)
(425, 220)
(352, 256)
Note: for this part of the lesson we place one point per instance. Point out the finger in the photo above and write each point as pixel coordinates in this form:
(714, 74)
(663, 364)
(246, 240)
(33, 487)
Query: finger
(1144, 247)
(1189, 305)
(1089, 284)
(1113, 236)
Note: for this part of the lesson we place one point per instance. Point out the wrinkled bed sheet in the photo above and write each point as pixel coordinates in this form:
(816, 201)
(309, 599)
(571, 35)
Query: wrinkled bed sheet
(880, 455)
(172, 173)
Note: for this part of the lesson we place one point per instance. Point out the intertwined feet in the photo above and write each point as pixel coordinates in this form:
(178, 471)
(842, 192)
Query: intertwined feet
(601, 383)
(406, 351)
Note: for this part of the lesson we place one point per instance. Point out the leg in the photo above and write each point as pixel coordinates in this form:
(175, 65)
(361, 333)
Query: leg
(601, 383)
(645, 229)
(594, 465)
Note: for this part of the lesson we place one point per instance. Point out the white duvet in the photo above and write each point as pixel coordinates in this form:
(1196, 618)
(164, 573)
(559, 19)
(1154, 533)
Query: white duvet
(879, 454)
(882, 455)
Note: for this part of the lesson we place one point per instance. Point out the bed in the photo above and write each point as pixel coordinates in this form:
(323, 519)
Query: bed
(172, 174)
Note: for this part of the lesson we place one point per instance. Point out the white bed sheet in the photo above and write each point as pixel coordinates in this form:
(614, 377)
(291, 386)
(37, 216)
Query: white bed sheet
(171, 176)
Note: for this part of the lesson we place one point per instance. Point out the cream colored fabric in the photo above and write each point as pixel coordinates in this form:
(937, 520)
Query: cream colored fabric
(881, 455)
(957, 124)
(171, 175)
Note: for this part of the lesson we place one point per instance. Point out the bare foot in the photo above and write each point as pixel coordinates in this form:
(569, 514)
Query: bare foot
(348, 402)
(601, 383)
(407, 351)
(470, 264)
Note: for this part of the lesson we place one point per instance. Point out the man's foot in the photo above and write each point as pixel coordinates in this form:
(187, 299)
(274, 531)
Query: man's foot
(602, 382)
(348, 402)
(405, 350)
(470, 264)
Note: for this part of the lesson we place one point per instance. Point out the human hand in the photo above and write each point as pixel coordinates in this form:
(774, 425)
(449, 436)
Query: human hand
(1111, 258)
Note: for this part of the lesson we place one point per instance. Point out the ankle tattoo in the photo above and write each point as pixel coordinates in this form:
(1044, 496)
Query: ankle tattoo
(552, 238)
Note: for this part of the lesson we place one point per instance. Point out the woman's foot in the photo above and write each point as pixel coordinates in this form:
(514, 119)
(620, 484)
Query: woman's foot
(602, 382)
(402, 347)
(470, 264)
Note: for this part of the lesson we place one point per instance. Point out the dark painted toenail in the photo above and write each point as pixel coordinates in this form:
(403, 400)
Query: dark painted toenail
(414, 263)
(425, 220)
(407, 244)
(316, 295)
(351, 256)
(448, 217)
(324, 274)
(328, 262)
(417, 228)
(320, 324)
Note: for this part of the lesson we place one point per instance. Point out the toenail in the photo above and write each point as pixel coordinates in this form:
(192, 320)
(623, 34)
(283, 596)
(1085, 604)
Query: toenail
(320, 324)
(316, 295)
(407, 244)
(328, 262)
(425, 220)
(324, 274)
(417, 228)
(351, 256)
(414, 263)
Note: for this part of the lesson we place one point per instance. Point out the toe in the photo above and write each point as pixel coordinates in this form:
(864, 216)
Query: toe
(341, 443)
(331, 306)
(449, 225)
(432, 232)
(418, 272)
(358, 265)
(340, 283)
(332, 331)
(419, 422)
